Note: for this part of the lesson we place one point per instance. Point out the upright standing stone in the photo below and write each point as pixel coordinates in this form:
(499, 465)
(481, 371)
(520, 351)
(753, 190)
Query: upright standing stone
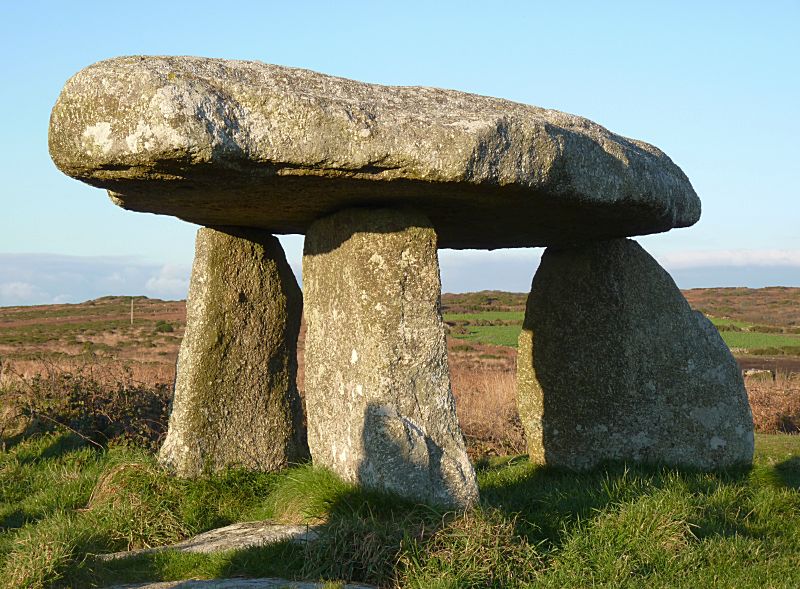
(236, 400)
(380, 409)
(613, 364)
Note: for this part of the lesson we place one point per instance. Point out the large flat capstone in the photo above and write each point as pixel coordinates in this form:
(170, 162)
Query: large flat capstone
(380, 408)
(242, 143)
(613, 364)
(236, 402)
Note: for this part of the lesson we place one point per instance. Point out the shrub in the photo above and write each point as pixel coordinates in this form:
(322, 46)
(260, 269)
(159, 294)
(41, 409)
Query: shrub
(767, 329)
(164, 327)
(98, 410)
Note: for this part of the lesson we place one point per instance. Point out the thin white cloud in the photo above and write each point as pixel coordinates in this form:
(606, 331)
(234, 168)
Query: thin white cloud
(474, 270)
(38, 279)
(472, 257)
(19, 293)
(171, 282)
(730, 258)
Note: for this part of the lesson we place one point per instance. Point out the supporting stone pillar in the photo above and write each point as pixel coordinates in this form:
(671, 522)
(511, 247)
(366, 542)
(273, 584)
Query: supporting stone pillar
(613, 364)
(380, 409)
(236, 402)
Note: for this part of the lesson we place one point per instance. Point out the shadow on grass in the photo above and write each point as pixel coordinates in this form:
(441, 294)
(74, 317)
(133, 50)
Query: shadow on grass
(59, 445)
(788, 472)
(14, 519)
(528, 516)
(370, 536)
(283, 559)
(548, 502)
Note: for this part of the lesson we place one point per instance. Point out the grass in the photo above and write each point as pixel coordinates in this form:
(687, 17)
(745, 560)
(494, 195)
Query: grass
(61, 500)
(487, 316)
(497, 335)
(753, 340)
(507, 335)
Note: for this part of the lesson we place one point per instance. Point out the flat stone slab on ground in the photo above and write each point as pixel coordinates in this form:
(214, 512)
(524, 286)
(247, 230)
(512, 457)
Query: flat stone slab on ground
(219, 142)
(270, 583)
(233, 537)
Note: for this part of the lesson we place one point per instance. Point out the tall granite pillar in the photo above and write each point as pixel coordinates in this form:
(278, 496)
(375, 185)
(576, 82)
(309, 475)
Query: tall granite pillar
(613, 364)
(380, 408)
(236, 402)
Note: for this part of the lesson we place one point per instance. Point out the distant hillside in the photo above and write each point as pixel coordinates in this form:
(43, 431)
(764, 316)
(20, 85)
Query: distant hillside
(774, 306)
(777, 305)
(761, 326)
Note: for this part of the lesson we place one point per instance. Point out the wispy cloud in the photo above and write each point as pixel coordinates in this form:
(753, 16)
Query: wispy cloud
(171, 282)
(473, 270)
(734, 258)
(18, 293)
(31, 279)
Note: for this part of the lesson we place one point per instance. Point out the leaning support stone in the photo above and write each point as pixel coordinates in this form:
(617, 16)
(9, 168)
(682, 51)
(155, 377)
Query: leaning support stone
(236, 402)
(613, 364)
(380, 409)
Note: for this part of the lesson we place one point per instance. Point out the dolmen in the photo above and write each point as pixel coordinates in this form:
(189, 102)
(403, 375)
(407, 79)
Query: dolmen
(612, 364)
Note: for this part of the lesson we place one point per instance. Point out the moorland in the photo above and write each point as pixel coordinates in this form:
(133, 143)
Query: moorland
(84, 392)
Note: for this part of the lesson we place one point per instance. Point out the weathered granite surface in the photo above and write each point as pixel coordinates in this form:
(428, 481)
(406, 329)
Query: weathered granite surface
(243, 143)
(613, 364)
(377, 385)
(236, 401)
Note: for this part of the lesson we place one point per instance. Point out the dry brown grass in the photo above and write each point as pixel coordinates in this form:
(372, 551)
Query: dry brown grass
(118, 356)
(775, 403)
(108, 371)
(486, 405)
(487, 411)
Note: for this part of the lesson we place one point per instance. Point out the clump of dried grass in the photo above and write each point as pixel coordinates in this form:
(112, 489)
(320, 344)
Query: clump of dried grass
(775, 403)
(487, 411)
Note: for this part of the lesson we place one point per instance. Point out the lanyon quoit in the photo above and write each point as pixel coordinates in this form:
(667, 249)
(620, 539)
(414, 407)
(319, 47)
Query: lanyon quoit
(612, 364)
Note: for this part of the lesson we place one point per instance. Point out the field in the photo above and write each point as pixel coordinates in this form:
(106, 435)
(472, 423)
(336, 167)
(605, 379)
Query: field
(762, 327)
(80, 478)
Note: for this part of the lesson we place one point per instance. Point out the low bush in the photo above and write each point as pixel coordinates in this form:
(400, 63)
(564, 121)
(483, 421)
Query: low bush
(164, 327)
(93, 407)
(767, 329)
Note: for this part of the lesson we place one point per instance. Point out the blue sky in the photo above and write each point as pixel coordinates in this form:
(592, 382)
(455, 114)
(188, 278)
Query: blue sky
(716, 85)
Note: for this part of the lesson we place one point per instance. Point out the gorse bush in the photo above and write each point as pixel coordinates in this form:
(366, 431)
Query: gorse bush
(164, 326)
